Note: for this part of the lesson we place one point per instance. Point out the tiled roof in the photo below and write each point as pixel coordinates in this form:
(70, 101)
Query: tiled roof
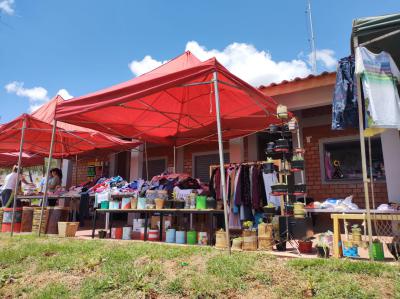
(323, 74)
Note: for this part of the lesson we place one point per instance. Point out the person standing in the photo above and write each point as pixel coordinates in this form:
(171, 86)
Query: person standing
(9, 185)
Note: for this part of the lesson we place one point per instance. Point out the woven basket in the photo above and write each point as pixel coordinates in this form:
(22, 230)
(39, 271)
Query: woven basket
(249, 240)
(265, 230)
(36, 220)
(220, 237)
(67, 229)
(265, 243)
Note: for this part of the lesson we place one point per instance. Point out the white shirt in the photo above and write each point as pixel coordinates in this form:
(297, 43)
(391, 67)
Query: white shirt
(379, 75)
(10, 181)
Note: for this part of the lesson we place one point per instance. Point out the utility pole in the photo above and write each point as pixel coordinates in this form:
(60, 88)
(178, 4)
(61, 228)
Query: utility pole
(312, 39)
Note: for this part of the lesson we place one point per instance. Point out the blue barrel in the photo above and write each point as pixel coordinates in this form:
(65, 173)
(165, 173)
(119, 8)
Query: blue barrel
(180, 237)
(170, 237)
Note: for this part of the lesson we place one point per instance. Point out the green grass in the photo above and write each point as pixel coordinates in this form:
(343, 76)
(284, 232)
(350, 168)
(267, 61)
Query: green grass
(66, 268)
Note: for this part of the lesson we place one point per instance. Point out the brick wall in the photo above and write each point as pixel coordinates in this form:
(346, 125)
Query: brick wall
(82, 170)
(320, 191)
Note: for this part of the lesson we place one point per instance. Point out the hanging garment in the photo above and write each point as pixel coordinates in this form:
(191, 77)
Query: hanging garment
(211, 183)
(269, 180)
(255, 194)
(261, 187)
(245, 182)
(344, 103)
(379, 77)
(238, 186)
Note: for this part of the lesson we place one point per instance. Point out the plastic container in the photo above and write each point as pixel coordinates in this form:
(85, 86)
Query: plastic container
(305, 246)
(202, 238)
(151, 196)
(170, 238)
(153, 235)
(134, 202)
(377, 251)
(7, 220)
(126, 233)
(126, 203)
(191, 237)
(201, 202)
(104, 205)
(116, 233)
(114, 205)
(141, 204)
(180, 237)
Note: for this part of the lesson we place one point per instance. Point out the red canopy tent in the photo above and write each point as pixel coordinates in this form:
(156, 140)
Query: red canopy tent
(181, 102)
(10, 159)
(26, 133)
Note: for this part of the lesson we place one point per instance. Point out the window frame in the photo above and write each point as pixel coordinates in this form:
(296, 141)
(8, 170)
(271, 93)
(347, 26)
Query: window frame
(165, 158)
(324, 141)
(199, 154)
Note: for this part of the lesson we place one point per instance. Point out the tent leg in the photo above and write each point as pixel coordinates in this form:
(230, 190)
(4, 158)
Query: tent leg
(44, 201)
(364, 159)
(21, 146)
(221, 159)
(146, 161)
(76, 170)
(174, 159)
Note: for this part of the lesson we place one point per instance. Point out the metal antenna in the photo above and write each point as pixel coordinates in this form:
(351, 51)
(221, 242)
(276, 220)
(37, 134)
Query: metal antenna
(312, 39)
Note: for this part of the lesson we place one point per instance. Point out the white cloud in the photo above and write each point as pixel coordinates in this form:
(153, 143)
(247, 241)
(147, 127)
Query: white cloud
(143, 66)
(247, 62)
(65, 94)
(37, 96)
(326, 57)
(6, 6)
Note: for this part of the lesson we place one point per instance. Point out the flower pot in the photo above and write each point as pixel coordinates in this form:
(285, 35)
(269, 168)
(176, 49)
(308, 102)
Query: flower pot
(102, 234)
(134, 202)
(270, 148)
(377, 251)
(299, 189)
(322, 252)
(273, 128)
(297, 165)
(211, 203)
(281, 245)
(269, 210)
(281, 145)
(305, 246)
(159, 203)
(268, 167)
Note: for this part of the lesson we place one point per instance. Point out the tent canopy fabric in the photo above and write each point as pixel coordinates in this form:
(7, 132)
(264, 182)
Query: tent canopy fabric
(10, 159)
(174, 105)
(367, 29)
(38, 134)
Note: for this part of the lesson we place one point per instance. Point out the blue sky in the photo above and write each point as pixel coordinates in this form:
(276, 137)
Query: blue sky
(81, 46)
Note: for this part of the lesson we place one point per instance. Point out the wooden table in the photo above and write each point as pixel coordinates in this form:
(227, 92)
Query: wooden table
(162, 212)
(375, 215)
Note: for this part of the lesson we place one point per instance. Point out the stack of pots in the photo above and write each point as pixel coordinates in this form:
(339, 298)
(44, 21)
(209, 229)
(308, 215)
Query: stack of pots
(298, 210)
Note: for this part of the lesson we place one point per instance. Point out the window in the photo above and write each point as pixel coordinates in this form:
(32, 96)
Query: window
(156, 167)
(202, 162)
(340, 159)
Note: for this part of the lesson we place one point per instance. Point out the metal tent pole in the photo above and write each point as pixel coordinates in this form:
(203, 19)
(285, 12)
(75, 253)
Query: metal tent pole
(221, 159)
(146, 161)
(174, 159)
(21, 146)
(44, 201)
(76, 170)
(363, 157)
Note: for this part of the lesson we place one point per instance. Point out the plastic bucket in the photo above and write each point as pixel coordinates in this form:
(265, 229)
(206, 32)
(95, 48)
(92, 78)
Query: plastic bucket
(126, 203)
(201, 202)
(126, 233)
(118, 233)
(202, 238)
(7, 220)
(134, 202)
(377, 251)
(153, 235)
(170, 238)
(191, 237)
(104, 205)
(114, 205)
(141, 205)
(180, 237)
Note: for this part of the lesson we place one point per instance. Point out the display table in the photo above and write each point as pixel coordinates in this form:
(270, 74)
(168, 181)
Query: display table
(375, 215)
(148, 212)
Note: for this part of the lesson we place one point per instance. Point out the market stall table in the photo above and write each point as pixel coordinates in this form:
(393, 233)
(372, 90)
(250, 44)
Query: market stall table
(161, 212)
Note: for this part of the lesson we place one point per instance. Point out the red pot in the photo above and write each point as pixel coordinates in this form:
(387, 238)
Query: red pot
(305, 246)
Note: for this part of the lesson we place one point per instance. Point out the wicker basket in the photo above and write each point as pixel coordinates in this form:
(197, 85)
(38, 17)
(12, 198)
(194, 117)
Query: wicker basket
(67, 229)
(265, 230)
(265, 243)
(220, 237)
(36, 220)
(249, 240)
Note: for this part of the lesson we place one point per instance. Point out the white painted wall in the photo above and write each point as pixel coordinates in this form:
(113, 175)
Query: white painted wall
(136, 167)
(391, 149)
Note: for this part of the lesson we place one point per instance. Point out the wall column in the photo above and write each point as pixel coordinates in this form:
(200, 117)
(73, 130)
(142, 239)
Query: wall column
(66, 169)
(236, 150)
(391, 149)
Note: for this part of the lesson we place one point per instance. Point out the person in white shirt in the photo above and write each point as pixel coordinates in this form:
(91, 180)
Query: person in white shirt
(9, 185)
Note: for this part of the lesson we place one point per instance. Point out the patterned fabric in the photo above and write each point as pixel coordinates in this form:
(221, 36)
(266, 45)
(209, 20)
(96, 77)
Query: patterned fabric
(344, 103)
(379, 77)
